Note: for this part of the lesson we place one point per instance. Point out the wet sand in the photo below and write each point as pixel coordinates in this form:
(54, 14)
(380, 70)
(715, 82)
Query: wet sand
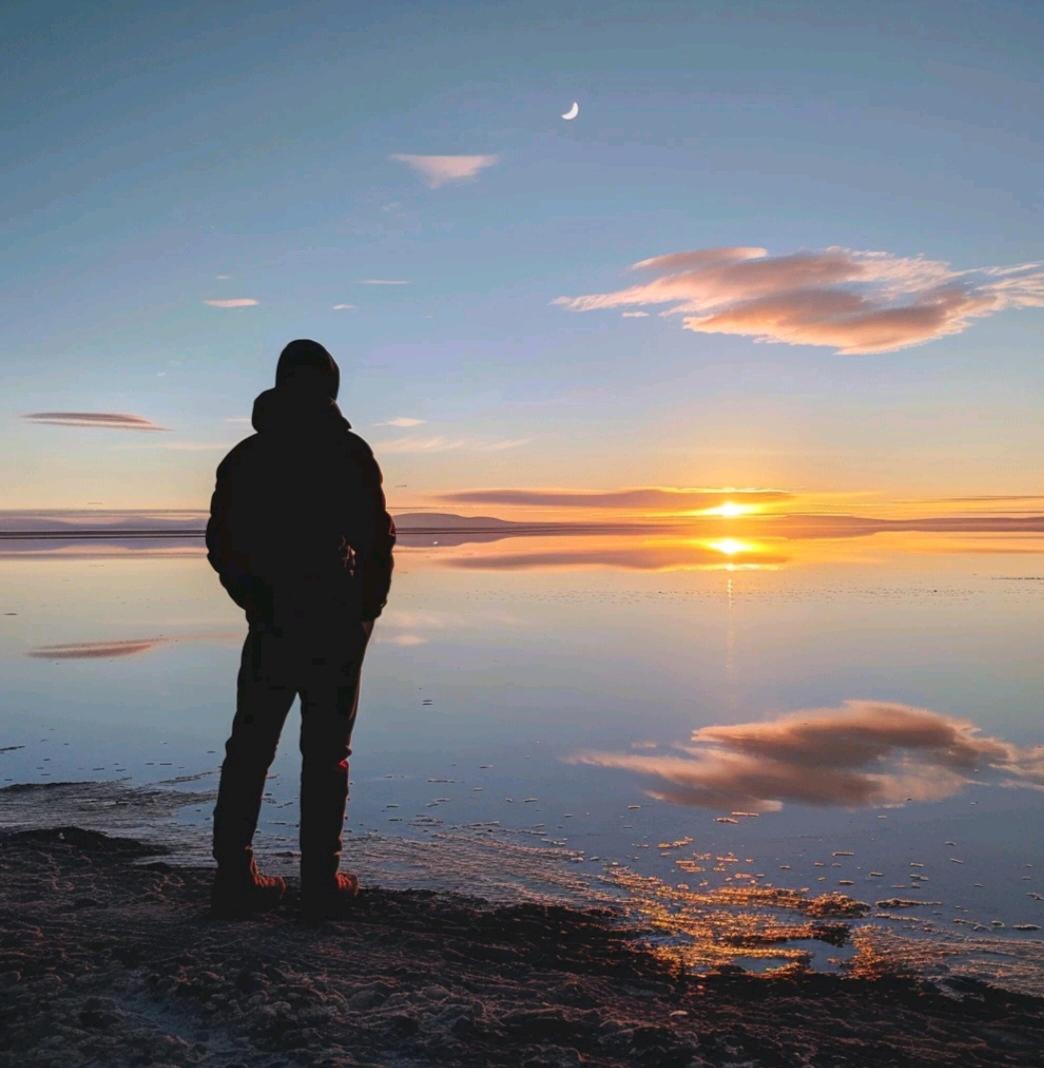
(107, 957)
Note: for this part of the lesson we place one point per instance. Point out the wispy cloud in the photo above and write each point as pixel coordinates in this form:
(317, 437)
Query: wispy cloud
(983, 498)
(195, 446)
(382, 282)
(665, 498)
(402, 421)
(441, 443)
(439, 170)
(343, 307)
(863, 753)
(234, 302)
(636, 315)
(853, 301)
(99, 420)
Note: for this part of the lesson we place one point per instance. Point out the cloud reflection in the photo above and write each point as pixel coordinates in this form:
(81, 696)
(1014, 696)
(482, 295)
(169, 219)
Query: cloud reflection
(110, 649)
(865, 753)
(685, 554)
(95, 650)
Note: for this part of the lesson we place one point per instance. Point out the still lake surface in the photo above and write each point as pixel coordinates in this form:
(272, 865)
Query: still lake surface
(527, 722)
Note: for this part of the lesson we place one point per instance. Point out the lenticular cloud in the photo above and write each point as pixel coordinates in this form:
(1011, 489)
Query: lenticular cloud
(854, 302)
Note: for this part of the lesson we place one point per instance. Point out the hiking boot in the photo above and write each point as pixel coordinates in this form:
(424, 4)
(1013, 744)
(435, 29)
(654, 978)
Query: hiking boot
(242, 891)
(330, 899)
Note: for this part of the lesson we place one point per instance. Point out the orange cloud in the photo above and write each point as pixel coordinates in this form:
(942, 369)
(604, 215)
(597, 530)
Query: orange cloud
(853, 301)
(666, 498)
(863, 753)
(438, 170)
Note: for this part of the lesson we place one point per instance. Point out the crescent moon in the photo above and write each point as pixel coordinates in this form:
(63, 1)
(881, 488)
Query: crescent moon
(572, 112)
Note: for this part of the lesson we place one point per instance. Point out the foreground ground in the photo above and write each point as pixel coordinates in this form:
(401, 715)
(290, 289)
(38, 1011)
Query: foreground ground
(107, 958)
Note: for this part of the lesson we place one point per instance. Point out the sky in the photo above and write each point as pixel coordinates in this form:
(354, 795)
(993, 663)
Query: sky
(792, 247)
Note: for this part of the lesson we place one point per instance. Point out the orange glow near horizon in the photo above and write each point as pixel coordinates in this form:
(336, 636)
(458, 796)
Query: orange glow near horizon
(730, 509)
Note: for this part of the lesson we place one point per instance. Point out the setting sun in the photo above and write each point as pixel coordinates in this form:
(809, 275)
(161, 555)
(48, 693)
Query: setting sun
(730, 509)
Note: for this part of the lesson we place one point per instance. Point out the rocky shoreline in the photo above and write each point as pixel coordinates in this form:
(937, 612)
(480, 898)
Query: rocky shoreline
(108, 958)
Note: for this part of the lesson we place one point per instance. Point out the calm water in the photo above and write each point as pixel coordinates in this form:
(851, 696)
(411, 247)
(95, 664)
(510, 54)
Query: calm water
(529, 710)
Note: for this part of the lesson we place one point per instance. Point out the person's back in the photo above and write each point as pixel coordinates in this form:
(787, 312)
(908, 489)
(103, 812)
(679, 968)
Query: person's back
(301, 540)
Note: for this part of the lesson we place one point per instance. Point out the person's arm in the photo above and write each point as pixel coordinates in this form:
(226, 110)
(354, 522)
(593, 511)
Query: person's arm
(374, 560)
(225, 549)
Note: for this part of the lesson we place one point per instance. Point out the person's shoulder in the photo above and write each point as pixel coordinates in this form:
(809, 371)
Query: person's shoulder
(238, 455)
(360, 457)
(357, 445)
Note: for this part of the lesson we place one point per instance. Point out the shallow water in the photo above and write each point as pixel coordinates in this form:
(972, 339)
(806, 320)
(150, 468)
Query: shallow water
(528, 713)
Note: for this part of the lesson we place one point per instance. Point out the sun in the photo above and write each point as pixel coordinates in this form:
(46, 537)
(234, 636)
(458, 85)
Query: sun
(730, 509)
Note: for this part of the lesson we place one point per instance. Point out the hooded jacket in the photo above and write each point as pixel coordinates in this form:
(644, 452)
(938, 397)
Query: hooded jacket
(298, 526)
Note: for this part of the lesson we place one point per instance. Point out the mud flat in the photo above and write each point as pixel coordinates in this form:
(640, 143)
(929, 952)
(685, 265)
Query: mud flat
(107, 957)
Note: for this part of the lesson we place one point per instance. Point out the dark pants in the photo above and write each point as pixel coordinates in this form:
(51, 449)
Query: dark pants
(276, 666)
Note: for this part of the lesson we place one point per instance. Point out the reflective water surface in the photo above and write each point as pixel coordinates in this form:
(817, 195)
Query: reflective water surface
(778, 751)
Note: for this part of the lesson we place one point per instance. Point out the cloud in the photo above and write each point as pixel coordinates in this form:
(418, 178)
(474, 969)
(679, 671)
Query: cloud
(102, 420)
(865, 753)
(382, 282)
(196, 446)
(438, 170)
(234, 302)
(666, 498)
(983, 498)
(636, 315)
(402, 421)
(343, 307)
(852, 301)
(440, 443)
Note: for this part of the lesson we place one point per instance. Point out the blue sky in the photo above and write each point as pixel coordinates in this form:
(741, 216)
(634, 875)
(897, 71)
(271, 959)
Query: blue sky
(151, 148)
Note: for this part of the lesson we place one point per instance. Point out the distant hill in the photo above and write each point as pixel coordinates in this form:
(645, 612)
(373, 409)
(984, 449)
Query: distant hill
(449, 521)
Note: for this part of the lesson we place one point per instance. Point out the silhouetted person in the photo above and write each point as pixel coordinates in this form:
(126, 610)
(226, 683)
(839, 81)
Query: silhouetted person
(301, 540)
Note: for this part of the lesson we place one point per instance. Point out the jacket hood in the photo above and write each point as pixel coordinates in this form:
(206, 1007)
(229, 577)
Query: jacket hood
(306, 362)
(298, 413)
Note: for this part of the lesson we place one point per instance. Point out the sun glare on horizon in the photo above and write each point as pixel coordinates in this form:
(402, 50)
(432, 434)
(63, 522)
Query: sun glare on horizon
(730, 546)
(730, 509)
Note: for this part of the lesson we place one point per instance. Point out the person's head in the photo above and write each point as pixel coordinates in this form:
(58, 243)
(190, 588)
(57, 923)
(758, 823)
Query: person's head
(306, 366)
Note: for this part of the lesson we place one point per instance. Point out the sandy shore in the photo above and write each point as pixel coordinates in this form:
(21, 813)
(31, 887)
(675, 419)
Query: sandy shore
(107, 957)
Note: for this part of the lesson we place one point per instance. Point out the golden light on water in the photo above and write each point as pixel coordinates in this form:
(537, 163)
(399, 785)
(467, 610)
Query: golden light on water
(730, 546)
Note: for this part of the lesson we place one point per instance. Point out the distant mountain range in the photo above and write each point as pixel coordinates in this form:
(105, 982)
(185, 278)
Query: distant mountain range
(100, 523)
(448, 528)
(449, 521)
